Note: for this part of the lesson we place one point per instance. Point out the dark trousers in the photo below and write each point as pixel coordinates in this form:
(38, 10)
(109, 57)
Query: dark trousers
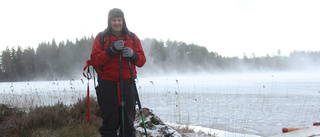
(111, 111)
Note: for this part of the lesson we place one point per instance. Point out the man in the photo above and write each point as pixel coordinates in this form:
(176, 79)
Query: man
(121, 46)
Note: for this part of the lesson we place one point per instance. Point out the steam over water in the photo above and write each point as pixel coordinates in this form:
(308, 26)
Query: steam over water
(260, 104)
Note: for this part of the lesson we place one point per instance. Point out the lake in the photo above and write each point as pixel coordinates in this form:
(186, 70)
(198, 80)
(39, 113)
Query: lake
(256, 103)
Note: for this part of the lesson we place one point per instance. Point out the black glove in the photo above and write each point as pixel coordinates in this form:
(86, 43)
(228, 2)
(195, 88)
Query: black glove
(129, 53)
(117, 46)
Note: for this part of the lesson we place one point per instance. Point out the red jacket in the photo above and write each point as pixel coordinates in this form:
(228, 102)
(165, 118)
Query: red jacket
(108, 67)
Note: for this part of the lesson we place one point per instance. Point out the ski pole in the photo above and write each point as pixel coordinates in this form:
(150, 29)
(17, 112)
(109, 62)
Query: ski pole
(88, 76)
(137, 98)
(121, 93)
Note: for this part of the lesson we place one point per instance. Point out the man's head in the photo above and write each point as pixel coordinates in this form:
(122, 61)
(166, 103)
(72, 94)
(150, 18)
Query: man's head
(116, 22)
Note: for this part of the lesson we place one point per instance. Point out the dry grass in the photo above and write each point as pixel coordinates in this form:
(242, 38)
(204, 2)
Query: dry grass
(62, 120)
(57, 120)
(186, 131)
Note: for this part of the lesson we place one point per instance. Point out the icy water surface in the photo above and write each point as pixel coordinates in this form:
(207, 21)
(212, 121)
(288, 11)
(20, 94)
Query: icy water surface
(260, 105)
(250, 104)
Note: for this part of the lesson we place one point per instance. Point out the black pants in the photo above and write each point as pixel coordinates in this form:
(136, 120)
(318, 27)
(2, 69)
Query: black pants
(107, 93)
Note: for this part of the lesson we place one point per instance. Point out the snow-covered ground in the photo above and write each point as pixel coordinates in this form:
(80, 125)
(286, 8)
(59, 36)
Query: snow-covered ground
(236, 105)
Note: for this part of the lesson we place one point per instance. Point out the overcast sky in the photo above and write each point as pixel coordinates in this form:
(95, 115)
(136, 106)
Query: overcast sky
(228, 27)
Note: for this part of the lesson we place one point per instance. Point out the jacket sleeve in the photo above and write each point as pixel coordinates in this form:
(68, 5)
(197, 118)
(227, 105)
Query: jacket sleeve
(139, 50)
(98, 55)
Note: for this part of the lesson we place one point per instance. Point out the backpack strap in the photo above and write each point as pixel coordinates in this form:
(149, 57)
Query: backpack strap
(132, 37)
(101, 37)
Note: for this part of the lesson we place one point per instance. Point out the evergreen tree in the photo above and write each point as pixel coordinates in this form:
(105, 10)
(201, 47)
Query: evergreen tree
(6, 64)
(18, 63)
(67, 59)
(28, 64)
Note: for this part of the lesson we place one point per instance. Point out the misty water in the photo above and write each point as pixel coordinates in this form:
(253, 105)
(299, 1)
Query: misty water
(257, 104)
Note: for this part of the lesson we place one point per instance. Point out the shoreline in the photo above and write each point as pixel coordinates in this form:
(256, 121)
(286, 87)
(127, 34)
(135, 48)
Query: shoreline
(199, 130)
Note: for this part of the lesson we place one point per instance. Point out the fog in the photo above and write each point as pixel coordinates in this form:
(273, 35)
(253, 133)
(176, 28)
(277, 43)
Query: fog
(66, 60)
(179, 58)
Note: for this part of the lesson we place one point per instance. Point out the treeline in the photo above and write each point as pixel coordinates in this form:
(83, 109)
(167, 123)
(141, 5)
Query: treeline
(66, 60)
(48, 62)
(179, 57)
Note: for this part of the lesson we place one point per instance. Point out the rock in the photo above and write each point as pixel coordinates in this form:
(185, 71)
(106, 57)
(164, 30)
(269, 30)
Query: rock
(155, 127)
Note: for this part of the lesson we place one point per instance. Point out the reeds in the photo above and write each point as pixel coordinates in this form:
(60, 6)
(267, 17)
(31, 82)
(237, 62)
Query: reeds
(56, 120)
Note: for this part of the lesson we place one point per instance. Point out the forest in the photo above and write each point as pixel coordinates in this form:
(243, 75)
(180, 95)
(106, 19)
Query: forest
(66, 60)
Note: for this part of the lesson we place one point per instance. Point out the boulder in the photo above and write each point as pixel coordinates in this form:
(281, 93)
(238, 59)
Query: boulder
(155, 127)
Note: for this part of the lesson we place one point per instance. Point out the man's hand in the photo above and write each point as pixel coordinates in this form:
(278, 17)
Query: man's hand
(129, 53)
(117, 46)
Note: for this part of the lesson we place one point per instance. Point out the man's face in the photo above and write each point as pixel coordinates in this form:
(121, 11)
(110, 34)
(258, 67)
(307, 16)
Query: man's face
(116, 24)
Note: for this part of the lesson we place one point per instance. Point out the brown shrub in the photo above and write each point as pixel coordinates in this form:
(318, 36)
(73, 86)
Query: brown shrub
(20, 123)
